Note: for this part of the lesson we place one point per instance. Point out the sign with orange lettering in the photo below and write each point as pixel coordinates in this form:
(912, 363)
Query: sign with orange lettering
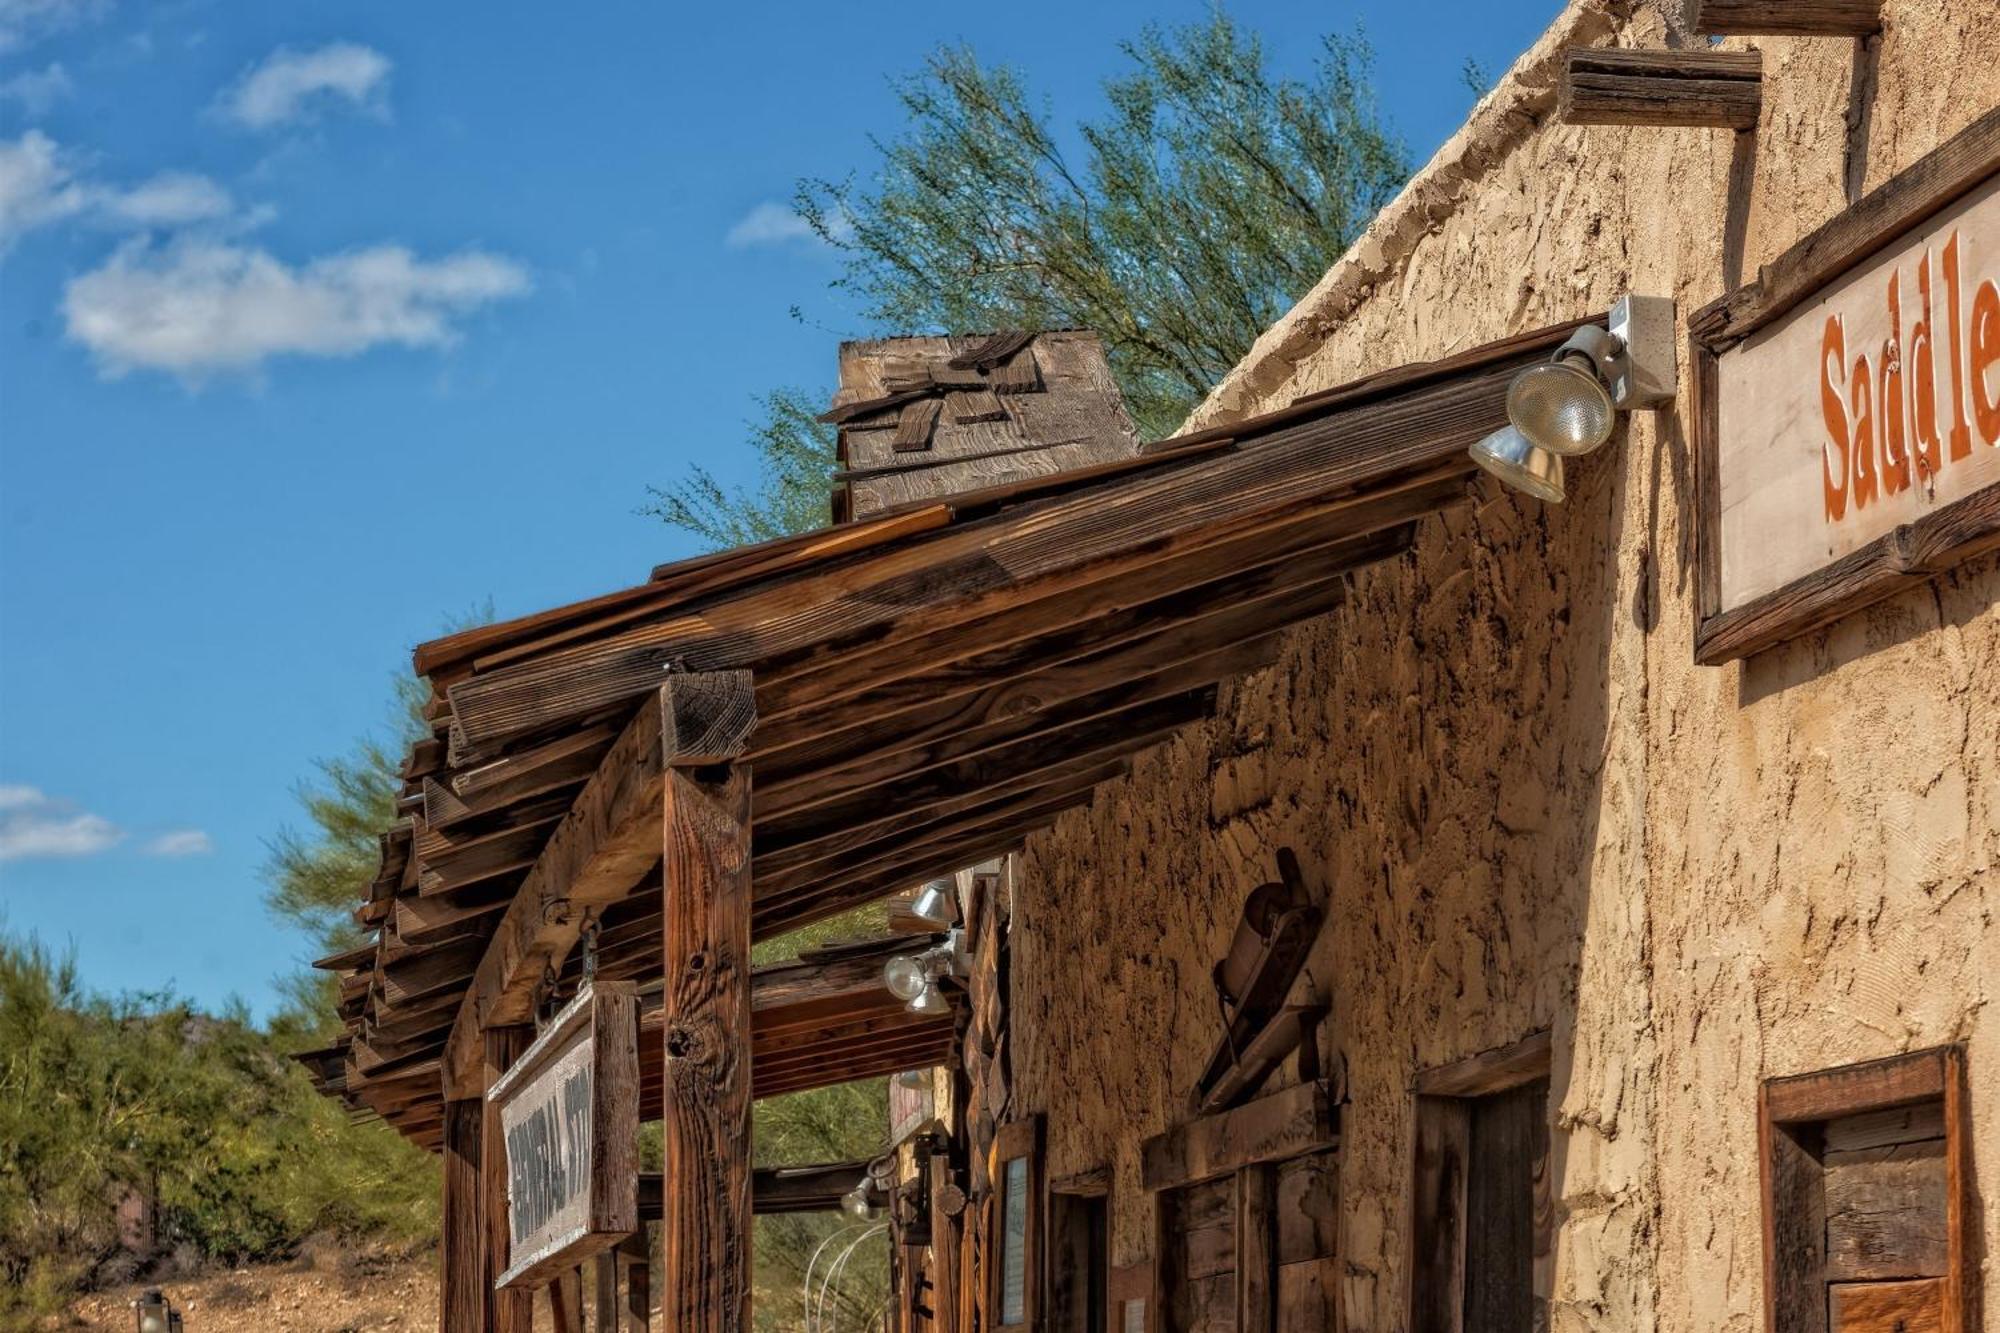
(1849, 434)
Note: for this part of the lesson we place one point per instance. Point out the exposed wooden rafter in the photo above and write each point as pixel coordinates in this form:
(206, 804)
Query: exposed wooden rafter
(1704, 89)
(1788, 18)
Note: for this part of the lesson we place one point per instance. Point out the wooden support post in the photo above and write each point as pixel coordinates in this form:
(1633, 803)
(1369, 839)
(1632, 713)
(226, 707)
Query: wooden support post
(604, 1306)
(512, 1310)
(1706, 89)
(1256, 1249)
(462, 1284)
(705, 1010)
(1789, 18)
(635, 1258)
(566, 1302)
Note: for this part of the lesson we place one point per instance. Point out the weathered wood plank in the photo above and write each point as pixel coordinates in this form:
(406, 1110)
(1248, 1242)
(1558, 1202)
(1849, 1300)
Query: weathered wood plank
(1442, 1128)
(512, 1310)
(1045, 688)
(1885, 1213)
(462, 1288)
(705, 1216)
(1885, 1129)
(605, 845)
(1306, 1204)
(968, 571)
(1625, 86)
(1852, 1089)
(1788, 18)
(915, 823)
(635, 1262)
(566, 1302)
(1255, 1247)
(1236, 574)
(1490, 1071)
(1888, 1307)
(1794, 1222)
(1299, 1119)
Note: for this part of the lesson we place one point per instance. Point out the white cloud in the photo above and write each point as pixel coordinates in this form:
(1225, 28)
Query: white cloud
(37, 186)
(42, 184)
(170, 199)
(34, 825)
(197, 308)
(771, 223)
(23, 21)
(180, 842)
(37, 91)
(289, 85)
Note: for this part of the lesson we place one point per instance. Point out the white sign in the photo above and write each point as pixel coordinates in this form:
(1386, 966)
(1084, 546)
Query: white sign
(1866, 408)
(569, 1118)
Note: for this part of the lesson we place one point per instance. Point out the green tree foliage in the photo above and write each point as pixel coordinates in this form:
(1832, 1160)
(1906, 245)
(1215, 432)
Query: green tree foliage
(795, 453)
(1206, 199)
(1179, 224)
(101, 1097)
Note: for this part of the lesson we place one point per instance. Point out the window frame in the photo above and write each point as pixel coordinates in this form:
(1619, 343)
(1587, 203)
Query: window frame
(1792, 1109)
(1013, 1142)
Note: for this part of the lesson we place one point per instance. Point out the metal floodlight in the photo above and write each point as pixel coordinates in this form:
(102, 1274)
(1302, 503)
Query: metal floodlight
(1521, 463)
(930, 1000)
(857, 1203)
(905, 976)
(933, 904)
(914, 1080)
(1564, 404)
(1569, 404)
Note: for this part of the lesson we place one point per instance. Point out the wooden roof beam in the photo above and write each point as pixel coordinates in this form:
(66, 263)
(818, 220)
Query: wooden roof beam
(1788, 18)
(601, 848)
(1705, 89)
(968, 572)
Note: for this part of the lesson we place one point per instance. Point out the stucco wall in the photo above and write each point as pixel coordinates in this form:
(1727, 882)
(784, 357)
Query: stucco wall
(1531, 808)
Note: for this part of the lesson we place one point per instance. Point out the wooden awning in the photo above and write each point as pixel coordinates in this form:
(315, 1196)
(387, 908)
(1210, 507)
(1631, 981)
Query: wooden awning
(826, 1018)
(931, 686)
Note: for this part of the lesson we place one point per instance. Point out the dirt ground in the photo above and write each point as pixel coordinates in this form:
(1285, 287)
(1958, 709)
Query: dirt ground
(334, 1294)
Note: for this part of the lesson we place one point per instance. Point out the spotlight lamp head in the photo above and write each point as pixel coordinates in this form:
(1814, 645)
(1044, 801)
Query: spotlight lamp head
(933, 905)
(1568, 405)
(905, 976)
(857, 1203)
(930, 1001)
(1521, 464)
(913, 1080)
(1564, 405)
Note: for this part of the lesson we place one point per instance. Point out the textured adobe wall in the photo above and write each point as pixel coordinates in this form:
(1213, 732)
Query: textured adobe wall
(1532, 809)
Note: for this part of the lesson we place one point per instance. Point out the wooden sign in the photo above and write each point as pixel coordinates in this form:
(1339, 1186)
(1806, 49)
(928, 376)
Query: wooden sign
(569, 1116)
(1848, 439)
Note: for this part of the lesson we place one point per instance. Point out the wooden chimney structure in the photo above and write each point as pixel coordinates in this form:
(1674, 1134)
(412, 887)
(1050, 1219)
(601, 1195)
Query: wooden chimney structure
(923, 418)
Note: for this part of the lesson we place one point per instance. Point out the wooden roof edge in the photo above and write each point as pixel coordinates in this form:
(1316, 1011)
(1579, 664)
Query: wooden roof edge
(1382, 384)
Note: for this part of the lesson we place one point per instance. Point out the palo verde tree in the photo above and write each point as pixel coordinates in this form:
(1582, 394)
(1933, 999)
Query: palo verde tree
(1179, 223)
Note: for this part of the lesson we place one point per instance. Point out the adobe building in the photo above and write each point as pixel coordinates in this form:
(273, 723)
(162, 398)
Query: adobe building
(1384, 900)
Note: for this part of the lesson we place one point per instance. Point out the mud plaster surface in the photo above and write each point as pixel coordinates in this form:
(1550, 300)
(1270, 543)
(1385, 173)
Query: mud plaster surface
(1531, 808)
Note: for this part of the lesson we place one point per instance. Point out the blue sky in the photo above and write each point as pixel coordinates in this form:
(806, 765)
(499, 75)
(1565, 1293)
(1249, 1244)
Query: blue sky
(468, 278)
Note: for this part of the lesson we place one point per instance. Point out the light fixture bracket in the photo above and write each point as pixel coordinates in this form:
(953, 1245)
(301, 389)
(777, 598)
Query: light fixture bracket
(1644, 372)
